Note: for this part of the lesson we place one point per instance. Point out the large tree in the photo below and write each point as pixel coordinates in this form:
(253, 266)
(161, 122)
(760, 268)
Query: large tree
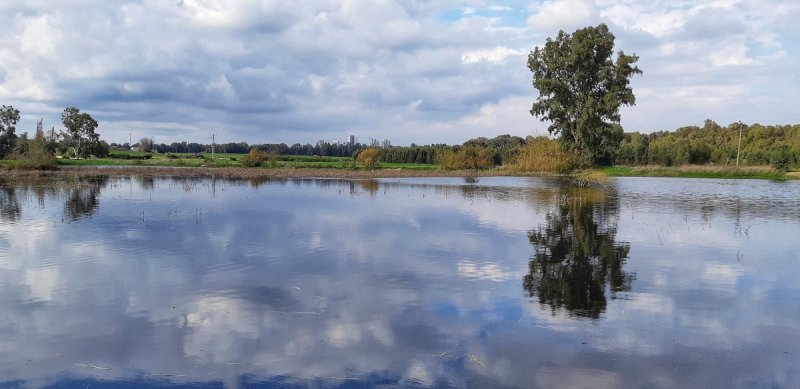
(81, 133)
(581, 88)
(146, 144)
(9, 116)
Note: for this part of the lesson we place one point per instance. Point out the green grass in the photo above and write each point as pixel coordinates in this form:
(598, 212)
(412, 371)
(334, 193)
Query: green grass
(696, 171)
(132, 162)
(120, 158)
(123, 154)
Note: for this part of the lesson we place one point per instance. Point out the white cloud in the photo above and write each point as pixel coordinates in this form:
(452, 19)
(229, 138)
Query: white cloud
(567, 15)
(483, 271)
(267, 71)
(495, 55)
(732, 55)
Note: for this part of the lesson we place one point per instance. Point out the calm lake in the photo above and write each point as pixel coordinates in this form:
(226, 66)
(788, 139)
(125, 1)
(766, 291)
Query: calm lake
(508, 282)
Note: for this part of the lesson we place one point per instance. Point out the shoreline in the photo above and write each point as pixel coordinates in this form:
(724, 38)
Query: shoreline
(312, 172)
(248, 173)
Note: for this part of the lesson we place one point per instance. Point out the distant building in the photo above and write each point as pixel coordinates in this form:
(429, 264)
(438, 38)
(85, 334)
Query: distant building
(320, 143)
(386, 144)
(351, 140)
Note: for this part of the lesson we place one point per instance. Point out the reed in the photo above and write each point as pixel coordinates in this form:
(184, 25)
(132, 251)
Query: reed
(543, 156)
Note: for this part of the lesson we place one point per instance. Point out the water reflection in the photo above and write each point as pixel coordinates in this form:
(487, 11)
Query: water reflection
(577, 258)
(9, 205)
(331, 283)
(83, 197)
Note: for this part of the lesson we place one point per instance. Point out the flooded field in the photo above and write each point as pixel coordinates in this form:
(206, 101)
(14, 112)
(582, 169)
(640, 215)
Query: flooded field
(429, 282)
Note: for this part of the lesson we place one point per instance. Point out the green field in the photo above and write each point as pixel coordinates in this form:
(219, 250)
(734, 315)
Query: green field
(132, 158)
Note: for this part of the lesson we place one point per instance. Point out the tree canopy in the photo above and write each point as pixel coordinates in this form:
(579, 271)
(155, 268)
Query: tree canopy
(581, 88)
(80, 130)
(9, 116)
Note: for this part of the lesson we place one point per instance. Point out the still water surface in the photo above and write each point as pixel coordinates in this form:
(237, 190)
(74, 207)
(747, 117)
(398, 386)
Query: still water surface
(510, 282)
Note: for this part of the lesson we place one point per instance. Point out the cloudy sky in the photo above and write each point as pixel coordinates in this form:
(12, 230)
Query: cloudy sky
(424, 71)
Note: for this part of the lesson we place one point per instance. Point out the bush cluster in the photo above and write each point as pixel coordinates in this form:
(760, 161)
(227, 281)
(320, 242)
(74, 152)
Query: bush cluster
(543, 155)
(368, 157)
(254, 158)
(467, 158)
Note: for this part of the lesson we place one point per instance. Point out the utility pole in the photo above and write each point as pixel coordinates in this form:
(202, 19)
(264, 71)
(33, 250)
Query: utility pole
(212, 145)
(739, 149)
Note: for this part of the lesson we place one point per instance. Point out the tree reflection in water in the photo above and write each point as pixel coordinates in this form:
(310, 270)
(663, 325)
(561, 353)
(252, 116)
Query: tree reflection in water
(9, 205)
(576, 256)
(83, 198)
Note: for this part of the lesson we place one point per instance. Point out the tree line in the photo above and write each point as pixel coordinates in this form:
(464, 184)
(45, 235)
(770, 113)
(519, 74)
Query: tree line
(760, 145)
(321, 149)
(777, 145)
(78, 139)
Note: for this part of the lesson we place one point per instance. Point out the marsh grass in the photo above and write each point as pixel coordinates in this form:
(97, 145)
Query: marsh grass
(542, 156)
(30, 164)
(475, 158)
(35, 157)
(590, 177)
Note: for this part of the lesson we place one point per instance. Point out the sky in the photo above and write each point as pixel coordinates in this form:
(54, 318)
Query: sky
(421, 71)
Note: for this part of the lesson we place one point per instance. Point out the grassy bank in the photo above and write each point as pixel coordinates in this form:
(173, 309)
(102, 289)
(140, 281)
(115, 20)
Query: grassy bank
(699, 171)
(245, 173)
(221, 160)
(231, 165)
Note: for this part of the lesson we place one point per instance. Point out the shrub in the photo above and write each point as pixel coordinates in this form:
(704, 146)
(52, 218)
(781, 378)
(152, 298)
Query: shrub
(222, 163)
(368, 157)
(544, 155)
(34, 156)
(470, 157)
(585, 178)
(254, 158)
(781, 159)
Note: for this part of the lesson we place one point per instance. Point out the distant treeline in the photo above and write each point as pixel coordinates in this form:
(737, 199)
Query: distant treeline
(324, 149)
(760, 145)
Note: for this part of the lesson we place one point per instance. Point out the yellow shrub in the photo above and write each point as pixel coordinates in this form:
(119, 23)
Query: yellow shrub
(254, 158)
(543, 155)
(368, 157)
(467, 158)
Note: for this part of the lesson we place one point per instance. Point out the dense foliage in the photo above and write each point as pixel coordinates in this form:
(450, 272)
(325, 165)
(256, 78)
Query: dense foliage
(9, 116)
(542, 155)
(322, 148)
(80, 133)
(760, 145)
(581, 89)
(254, 158)
(468, 157)
(368, 157)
